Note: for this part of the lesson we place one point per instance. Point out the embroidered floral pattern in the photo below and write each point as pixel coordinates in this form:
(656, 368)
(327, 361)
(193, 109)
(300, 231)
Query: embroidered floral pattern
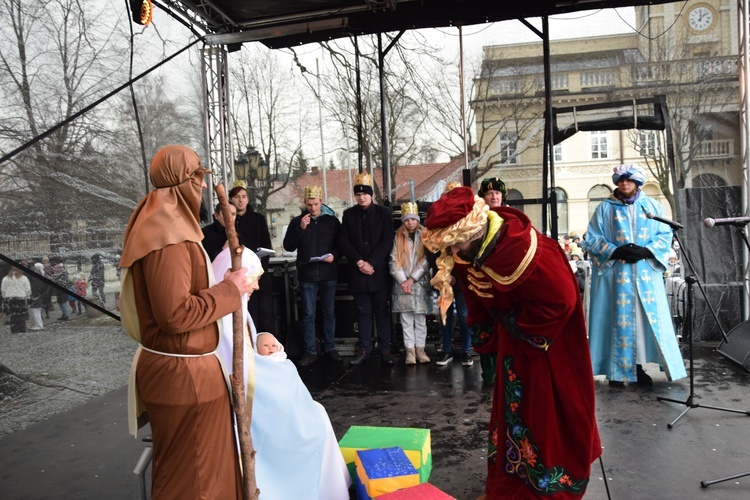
(480, 335)
(536, 341)
(521, 453)
(492, 445)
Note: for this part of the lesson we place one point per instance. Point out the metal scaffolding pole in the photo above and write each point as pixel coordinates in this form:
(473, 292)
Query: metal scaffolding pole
(217, 117)
(744, 69)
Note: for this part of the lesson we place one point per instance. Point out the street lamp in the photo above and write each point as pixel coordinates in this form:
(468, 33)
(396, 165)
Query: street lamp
(262, 170)
(246, 164)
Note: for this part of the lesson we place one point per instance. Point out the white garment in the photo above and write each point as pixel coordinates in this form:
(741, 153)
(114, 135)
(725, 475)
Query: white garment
(15, 288)
(297, 453)
(414, 326)
(35, 314)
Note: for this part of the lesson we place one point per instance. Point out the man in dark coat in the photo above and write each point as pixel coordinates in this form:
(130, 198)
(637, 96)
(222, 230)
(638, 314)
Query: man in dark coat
(215, 234)
(366, 241)
(314, 235)
(252, 228)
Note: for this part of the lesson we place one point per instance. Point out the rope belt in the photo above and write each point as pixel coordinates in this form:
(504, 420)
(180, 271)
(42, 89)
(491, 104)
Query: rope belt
(177, 355)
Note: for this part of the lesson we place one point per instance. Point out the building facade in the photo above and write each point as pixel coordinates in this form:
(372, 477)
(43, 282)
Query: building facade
(686, 52)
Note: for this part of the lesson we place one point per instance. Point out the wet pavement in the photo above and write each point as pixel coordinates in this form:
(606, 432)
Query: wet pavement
(63, 431)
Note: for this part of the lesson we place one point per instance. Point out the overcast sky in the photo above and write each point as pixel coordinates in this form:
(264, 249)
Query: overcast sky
(580, 24)
(574, 25)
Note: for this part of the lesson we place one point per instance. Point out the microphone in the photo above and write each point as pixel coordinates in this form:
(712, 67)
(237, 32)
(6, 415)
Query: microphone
(670, 223)
(736, 221)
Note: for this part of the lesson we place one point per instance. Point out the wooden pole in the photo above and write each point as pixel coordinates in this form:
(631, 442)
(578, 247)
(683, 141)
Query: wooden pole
(242, 410)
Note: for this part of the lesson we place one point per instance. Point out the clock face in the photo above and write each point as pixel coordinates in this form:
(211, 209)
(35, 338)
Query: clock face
(700, 18)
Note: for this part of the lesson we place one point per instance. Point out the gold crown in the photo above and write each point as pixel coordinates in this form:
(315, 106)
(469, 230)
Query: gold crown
(313, 192)
(409, 209)
(363, 179)
(451, 185)
(239, 183)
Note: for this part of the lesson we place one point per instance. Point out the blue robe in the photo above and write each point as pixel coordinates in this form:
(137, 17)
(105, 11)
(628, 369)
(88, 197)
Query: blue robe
(629, 298)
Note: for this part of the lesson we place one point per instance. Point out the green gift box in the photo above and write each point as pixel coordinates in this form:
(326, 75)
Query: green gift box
(415, 443)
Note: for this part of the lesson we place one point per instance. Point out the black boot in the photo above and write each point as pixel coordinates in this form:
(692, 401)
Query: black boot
(643, 378)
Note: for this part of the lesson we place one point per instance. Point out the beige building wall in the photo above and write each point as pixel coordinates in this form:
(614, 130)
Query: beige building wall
(669, 56)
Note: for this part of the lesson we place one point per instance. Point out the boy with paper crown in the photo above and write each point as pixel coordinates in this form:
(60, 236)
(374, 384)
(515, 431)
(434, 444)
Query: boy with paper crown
(314, 234)
(366, 241)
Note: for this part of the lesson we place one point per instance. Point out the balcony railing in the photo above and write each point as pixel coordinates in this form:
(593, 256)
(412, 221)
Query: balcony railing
(713, 150)
(673, 72)
(595, 79)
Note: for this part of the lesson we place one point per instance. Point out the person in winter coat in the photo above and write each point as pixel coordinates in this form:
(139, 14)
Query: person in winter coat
(16, 290)
(39, 292)
(412, 293)
(215, 234)
(80, 287)
(314, 235)
(96, 278)
(252, 230)
(60, 276)
(366, 241)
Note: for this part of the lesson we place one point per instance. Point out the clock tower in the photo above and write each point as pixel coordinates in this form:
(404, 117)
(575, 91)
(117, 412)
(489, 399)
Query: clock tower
(696, 28)
(701, 18)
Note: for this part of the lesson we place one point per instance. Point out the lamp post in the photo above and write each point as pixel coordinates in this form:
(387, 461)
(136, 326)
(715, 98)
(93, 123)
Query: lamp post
(246, 164)
(260, 177)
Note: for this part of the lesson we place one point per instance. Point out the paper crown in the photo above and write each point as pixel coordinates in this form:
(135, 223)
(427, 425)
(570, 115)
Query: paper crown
(313, 192)
(451, 185)
(239, 183)
(363, 179)
(409, 209)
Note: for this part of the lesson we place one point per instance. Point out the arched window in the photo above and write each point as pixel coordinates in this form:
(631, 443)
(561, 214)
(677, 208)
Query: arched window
(514, 194)
(596, 195)
(708, 180)
(562, 211)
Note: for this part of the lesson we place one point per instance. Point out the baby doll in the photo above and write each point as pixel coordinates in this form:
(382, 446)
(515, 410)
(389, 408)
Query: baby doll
(266, 344)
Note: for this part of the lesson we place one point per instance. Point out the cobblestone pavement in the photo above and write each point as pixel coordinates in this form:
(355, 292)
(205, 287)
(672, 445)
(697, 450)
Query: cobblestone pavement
(64, 365)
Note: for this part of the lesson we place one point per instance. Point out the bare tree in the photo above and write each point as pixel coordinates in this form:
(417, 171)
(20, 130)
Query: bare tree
(57, 57)
(405, 99)
(163, 119)
(270, 114)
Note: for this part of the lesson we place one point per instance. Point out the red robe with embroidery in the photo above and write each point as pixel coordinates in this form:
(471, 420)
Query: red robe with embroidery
(521, 292)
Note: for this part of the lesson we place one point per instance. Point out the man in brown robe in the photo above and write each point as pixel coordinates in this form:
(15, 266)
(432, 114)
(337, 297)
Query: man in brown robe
(170, 306)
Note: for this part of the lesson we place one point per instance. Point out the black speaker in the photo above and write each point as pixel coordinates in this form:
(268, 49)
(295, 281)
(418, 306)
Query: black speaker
(738, 347)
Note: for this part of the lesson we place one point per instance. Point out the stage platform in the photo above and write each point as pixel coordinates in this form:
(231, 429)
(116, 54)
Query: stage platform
(86, 452)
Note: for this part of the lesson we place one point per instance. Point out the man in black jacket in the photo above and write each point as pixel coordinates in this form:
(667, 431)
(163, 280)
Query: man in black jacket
(252, 229)
(314, 235)
(366, 241)
(215, 234)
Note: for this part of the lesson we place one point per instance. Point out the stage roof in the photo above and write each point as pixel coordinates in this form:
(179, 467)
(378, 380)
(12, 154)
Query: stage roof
(284, 23)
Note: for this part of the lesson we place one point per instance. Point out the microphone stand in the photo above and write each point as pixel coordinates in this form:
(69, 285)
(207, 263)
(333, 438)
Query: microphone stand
(706, 484)
(690, 402)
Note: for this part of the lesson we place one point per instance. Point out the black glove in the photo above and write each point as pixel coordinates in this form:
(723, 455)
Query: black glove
(641, 252)
(622, 253)
(631, 253)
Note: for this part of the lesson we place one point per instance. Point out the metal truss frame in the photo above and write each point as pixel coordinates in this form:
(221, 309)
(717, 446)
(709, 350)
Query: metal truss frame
(217, 116)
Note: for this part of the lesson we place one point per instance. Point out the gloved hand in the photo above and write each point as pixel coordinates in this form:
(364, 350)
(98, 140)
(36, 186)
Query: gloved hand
(631, 253)
(641, 252)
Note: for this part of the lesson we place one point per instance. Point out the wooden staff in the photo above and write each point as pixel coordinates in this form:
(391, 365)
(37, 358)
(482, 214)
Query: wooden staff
(242, 410)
